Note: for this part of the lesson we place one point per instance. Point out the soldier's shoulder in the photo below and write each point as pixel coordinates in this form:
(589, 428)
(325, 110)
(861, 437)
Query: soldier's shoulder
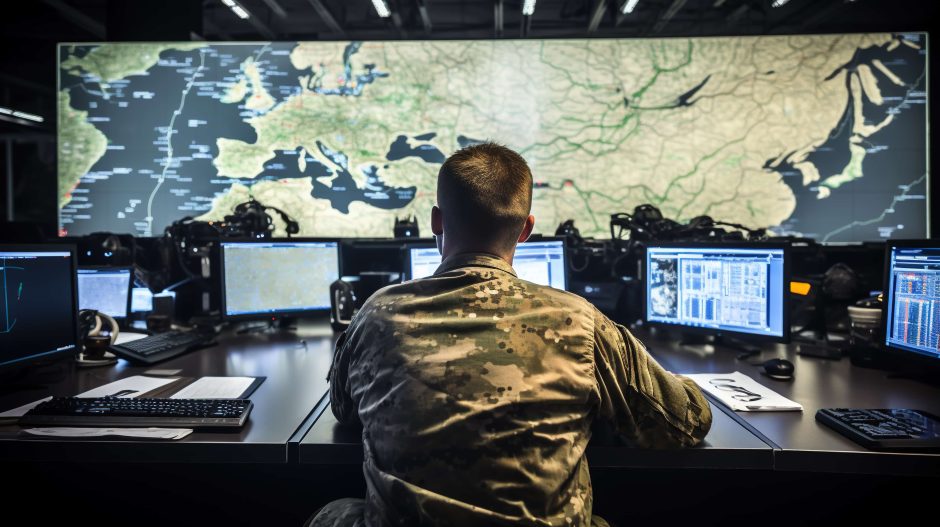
(560, 298)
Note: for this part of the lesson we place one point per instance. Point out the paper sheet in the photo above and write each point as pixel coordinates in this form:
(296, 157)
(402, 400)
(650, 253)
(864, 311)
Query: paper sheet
(129, 387)
(215, 388)
(128, 336)
(139, 433)
(742, 393)
(21, 411)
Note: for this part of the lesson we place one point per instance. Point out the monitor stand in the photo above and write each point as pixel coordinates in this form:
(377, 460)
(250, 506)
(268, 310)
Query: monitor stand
(272, 325)
(745, 349)
(35, 377)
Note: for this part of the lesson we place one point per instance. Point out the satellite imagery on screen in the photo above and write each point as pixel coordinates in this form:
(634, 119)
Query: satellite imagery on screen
(823, 136)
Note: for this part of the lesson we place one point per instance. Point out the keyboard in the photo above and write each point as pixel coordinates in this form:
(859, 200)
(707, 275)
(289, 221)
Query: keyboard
(884, 429)
(163, 346)
(140, 411)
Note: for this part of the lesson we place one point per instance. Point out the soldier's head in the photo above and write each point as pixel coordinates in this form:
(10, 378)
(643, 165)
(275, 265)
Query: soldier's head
(484, 196)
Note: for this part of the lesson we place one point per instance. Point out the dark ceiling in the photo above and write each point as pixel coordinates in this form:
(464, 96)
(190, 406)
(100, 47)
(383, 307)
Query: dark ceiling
(31, 29)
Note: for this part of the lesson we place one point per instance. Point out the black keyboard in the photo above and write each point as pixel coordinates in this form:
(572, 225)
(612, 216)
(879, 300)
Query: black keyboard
(163, 346)
(127, 412)
(884, 429)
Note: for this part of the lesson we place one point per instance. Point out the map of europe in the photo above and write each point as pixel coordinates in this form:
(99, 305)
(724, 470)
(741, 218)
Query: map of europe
(820, 136)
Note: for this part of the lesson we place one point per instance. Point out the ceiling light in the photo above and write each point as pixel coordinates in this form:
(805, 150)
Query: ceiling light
(528, 7)
(629, 6)
(236, 8)
(22, 115)
(779, 3)
(382, 8)
(30, 116)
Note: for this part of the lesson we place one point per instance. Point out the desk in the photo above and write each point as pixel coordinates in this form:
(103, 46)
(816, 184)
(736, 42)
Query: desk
(728, 446)
(799, 442)
(291, 457)
(296, 382)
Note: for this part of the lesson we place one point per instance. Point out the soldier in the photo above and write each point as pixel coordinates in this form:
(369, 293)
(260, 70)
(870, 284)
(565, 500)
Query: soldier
(477, 391)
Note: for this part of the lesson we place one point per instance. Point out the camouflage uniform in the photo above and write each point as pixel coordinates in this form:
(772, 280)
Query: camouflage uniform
(477, 391)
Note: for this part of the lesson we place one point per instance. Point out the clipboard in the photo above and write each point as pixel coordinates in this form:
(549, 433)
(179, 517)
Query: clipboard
(179, 383)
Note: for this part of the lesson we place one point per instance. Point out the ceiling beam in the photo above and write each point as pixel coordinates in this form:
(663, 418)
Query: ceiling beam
(498, 18)
(78, 18)
(667, 16)
(597, 15)
(256, 22)
(276, 8)
(737, 13)
(327, 17)
(396, 20)
(209, 27)
(425, 16)
(805, 18)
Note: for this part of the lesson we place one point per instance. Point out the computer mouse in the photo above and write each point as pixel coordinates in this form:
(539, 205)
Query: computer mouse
(780, 369)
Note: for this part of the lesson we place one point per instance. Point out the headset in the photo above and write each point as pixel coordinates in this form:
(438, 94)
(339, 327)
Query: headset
(252, 217)
(91, 323)
(342, 304)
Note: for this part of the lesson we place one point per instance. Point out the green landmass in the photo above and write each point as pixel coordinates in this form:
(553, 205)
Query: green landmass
(111, 62)
(80, 146)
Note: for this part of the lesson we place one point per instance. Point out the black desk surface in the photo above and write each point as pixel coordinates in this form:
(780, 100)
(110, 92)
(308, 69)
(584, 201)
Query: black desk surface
(296, 381)
(291, 420)
(800, 442)
(728, 445)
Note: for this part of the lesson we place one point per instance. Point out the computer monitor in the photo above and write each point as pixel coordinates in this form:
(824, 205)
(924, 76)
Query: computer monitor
(542, 262)
(912, 299)
(277, 278)
(38, 306)
(734, 289)
(141, 300)
(106, 289)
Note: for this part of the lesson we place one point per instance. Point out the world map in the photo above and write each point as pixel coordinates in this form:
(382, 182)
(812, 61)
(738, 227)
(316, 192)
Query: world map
(820, 136)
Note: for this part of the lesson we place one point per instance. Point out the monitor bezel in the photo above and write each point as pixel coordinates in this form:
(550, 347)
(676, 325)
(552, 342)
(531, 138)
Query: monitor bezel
(73, 263)
(421, 243)
(298, 313)
(130, 285)
(890, 350)
(742, 335)
(425, 244)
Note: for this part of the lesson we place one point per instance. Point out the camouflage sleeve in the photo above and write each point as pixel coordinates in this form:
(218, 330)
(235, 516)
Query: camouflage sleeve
(340, 400)
(646, 404)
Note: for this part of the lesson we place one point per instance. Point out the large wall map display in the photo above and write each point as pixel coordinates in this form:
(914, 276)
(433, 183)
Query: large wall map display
(824, 136)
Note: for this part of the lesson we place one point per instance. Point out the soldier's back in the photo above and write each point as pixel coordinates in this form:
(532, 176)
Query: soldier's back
(476, 391)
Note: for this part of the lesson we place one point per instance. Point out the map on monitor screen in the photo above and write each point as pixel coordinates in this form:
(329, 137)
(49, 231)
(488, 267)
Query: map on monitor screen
(823, 136)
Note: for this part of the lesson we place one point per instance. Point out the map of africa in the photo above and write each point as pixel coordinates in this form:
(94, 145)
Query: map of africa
(823, 136)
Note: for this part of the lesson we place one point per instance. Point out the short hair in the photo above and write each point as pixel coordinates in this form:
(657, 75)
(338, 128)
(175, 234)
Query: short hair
(485, 192)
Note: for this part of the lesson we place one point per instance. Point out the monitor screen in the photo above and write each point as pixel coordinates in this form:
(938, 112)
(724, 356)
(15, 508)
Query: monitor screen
(912, 300)
(105, 290)
(141, 300)
(540, 262)
(277, 278)
(37, 304)
(722, 288)
(825, 136)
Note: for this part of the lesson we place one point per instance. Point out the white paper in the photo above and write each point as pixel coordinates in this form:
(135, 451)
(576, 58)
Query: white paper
(21, 411)
(215, 388)
(127, 388)
(139, 433)
(129, 336)
(720, 386)
(163, 373)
